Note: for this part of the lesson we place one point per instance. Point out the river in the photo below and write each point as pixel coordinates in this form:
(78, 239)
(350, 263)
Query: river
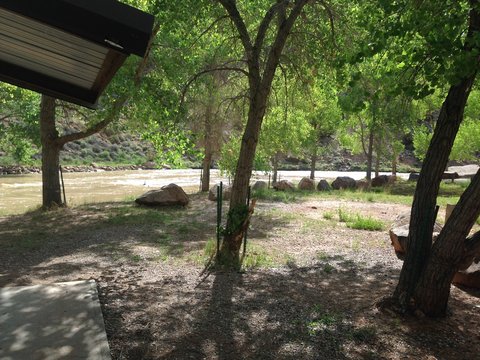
(20, 193)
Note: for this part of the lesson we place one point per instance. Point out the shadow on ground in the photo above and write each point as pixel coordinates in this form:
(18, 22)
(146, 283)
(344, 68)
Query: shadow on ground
(284, 313)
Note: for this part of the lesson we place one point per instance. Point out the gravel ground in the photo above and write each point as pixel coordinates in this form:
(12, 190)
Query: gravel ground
(309, 293)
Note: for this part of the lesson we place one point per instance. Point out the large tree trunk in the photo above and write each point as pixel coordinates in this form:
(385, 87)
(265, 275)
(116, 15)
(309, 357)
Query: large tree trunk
(51, 190)
(423, 212)
(313, 163)
(433, 289)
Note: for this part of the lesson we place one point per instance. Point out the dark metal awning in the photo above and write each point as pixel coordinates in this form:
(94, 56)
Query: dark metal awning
(69, 49)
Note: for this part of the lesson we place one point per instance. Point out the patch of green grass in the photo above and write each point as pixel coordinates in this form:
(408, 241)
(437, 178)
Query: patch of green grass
(322, 320)
(322, 256)
(210, 247)
(328, 215)
(345, 216)
(327, 268)
(129, 215)
(309, 225)
(136, 258)
(290, 261)
(280, 196)
(359, 222)
(257, 257)
(201, 256)
(365, 223)
(355, 245)
(161, 239)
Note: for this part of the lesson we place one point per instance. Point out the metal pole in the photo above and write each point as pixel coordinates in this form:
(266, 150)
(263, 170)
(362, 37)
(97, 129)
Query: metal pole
(269, 176)
(63, 186)
(201, 180)
(245, 235)
(219, 214)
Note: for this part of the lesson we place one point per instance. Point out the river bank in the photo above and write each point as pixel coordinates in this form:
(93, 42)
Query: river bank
(23, 192)
(24, 170)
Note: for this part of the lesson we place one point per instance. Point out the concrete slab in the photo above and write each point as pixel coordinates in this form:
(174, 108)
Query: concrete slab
(52, 322)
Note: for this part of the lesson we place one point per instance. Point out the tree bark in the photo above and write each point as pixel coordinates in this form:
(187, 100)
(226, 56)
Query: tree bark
(313, 163)
(207, 159)
(433, 289)
(422, 216)
(260, 85)
(51, 191)
(52, 143)
(230, 249)
(275, 168)
(394, 164)
(377, 163)
(207, 163)
(370, 155)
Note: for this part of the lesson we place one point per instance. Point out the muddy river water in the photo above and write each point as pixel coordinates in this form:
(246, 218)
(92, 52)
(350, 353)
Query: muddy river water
(20, 193)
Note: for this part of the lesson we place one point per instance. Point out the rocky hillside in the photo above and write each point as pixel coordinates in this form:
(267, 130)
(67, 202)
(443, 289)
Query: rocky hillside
(121, 148)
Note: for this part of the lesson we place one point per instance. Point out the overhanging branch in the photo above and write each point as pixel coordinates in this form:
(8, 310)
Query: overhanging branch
(206, 71)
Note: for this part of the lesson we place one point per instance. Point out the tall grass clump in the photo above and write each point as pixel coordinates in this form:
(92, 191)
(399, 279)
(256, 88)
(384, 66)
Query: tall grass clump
(366, 223)
(359, 222)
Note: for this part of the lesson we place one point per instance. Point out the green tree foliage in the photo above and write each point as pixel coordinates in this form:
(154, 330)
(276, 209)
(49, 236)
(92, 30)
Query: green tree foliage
(19, 135)
(467, 142)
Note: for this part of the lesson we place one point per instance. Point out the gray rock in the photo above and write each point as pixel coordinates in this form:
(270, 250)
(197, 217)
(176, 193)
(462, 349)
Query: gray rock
(363, 184)
(226, 193)
(344, 182)
(413, 177)
(149, 165)
(383, 180)
(259, 185)
(306, 184)
(168, 195)
(323, 185)
(283, 185)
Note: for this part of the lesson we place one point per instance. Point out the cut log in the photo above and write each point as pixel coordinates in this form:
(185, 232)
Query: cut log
(469, 277)
(399, 237)
(469, 267)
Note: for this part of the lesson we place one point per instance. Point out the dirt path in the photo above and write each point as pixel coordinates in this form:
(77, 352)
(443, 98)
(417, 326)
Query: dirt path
(309, 294)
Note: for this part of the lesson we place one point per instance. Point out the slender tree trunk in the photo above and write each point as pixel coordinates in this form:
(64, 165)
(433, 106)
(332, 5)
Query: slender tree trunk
(207, 159)
(377, 164)
(394, 164)
(423, 212)
(230, 250)
(433, 289)
(313, 163)
(275, 168)
(50, 154)
(260, 85)
(207, 163)
(370, 155)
